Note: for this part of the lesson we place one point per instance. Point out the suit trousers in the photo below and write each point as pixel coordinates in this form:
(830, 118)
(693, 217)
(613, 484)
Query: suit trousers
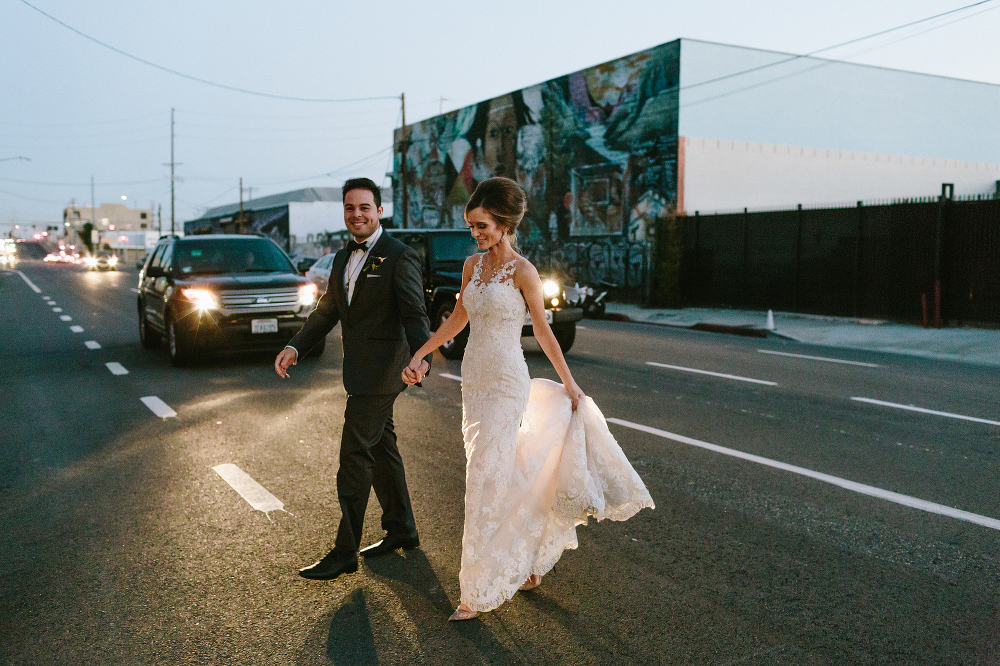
(370, 459)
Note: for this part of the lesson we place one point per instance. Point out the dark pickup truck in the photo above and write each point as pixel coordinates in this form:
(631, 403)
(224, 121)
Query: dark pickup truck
(442, 254)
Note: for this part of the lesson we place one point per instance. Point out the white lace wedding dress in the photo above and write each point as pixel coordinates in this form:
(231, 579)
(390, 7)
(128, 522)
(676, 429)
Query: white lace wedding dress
(536, 469)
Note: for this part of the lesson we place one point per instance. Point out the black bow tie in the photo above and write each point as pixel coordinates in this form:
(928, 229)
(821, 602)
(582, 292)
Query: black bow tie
(355, 245)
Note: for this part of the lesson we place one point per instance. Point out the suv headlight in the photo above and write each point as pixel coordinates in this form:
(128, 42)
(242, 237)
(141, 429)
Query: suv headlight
(91, 261)
(307, 294)
(113, 260)
(202, 298)
(550, 288)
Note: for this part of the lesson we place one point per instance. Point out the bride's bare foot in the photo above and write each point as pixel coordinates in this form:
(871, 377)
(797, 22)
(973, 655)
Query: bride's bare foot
(463, 612)
(534, 580)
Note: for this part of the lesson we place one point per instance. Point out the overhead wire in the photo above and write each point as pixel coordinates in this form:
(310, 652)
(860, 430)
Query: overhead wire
(197, 79)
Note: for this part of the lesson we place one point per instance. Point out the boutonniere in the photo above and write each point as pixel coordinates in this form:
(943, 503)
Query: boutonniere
(373, 264)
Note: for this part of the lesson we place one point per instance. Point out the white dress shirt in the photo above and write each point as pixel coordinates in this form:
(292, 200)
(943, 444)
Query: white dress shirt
(357, 261)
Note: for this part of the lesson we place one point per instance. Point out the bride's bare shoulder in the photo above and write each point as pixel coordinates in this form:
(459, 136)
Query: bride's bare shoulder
(524, 269)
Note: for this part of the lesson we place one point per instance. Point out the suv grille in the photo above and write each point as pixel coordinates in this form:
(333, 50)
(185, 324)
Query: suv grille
(260, 300)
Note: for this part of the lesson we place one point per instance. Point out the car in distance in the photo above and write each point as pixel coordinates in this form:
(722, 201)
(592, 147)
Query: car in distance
(102, 262)
(221, 293)
(442, 254)
(319, 272)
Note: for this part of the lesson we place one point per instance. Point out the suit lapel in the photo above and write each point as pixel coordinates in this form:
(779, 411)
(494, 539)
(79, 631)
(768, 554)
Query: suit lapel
(337, 279)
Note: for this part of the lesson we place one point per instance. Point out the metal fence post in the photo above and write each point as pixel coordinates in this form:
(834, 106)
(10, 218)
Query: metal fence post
(857, 262)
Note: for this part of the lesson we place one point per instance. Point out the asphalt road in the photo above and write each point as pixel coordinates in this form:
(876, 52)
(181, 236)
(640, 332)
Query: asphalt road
(122, 545)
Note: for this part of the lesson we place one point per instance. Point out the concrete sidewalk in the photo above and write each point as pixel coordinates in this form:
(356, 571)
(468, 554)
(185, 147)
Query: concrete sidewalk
(970, 345)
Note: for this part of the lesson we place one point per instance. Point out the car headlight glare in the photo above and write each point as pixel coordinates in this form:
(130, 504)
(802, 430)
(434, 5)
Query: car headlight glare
(202, 298)
(113, 260)
(91, 261)
(550, 288)
(308, 293)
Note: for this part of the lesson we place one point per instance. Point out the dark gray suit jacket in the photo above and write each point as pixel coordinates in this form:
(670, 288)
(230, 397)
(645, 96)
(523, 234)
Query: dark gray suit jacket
(385, 324)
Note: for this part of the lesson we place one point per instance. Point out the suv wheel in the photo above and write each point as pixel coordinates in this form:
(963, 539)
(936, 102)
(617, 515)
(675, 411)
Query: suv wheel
(565, 335)
(454, 348)
(149, 338)
(180, 348)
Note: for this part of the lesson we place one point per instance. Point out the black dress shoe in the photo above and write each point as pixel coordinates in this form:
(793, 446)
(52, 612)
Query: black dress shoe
(331, 566)
(389, 544)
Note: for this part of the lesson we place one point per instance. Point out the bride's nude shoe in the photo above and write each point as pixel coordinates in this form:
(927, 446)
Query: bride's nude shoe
(534, 580)
(463, 614)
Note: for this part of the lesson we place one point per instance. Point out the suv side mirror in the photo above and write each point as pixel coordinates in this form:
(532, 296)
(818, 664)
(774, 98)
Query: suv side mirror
(139, 263)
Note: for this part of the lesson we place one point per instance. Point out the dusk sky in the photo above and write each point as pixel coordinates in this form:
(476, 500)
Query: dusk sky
(78, 109)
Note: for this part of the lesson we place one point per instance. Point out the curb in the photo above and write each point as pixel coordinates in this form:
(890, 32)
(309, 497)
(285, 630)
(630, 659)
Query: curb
(745, 331)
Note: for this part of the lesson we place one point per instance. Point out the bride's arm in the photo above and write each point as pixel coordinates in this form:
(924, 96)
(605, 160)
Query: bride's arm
(446, 331)
(526, 279)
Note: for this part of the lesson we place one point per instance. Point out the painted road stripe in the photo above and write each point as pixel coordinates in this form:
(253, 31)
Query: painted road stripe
(65, 318)
(76, 329)
(49, 302)
(158, 407)
(134, 289)
(714, 374)
(447, 376)
(872, 491)
(57, 309)
(92, 344)
(255, 494)
(927, 411)
(819, 358)
(116, 368)
(29, 282)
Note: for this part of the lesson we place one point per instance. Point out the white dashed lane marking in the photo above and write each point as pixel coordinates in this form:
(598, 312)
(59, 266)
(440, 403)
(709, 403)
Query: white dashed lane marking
(872, 491)
(65, 318)
(911, 408)
(31, 284)
(116, 368)
(57, 309)
(158, 407)
(255, 494)
(447, 376)
(713, 374)
(92, 344)
(819, 358)
(76, 329)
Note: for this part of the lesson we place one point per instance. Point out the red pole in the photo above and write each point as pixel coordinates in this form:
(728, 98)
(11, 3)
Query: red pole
(923, 305)
(937, 304)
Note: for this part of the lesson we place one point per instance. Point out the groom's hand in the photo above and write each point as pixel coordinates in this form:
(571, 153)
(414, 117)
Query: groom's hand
(413, 375)
(284, 360)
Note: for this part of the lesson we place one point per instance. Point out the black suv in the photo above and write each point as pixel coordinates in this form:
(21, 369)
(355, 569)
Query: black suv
(222, 292)
(442, 253)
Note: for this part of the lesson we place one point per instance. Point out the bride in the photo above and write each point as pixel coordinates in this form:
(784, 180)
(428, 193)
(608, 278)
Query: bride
(540, 458)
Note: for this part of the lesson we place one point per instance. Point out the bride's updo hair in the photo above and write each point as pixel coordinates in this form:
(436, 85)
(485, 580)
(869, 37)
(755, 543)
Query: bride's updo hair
(503, 199)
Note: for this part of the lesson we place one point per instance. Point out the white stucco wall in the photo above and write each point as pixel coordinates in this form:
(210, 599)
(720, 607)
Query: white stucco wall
(724, 176)
(837, 105)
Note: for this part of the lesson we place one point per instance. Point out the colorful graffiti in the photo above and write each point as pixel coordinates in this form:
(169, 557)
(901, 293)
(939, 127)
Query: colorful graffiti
(595, 150)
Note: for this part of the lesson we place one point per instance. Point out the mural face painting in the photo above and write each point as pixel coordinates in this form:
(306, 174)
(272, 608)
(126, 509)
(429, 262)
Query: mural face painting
(595, 150)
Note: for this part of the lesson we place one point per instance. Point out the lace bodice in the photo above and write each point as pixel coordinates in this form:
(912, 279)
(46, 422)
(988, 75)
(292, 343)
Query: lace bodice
(496, 311)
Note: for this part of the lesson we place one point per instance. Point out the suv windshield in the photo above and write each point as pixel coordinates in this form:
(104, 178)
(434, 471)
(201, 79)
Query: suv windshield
(228, 255)
(453, 247)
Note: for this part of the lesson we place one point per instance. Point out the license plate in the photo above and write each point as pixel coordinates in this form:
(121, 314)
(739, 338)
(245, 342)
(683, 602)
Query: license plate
(548, 318)
(264, 326)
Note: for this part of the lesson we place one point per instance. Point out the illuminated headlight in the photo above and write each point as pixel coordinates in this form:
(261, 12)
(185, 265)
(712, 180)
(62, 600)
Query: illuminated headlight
(550, 288)
(307, 294)
(555, 302)
(91, 261)
(202, 298)
(113, 260)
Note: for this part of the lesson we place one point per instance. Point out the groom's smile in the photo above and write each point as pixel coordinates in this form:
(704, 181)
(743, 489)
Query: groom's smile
(361, 215)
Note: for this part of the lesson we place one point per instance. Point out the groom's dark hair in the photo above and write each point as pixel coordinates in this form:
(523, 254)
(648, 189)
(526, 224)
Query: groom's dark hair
(363, 184)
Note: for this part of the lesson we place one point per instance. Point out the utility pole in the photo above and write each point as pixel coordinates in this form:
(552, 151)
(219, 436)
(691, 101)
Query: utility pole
(171, 170)
(159, 216)
(93, 214)
(239, 224)
(402, 166)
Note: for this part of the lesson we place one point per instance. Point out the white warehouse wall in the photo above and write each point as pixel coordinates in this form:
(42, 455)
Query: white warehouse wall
(837, 105)
(718, 175)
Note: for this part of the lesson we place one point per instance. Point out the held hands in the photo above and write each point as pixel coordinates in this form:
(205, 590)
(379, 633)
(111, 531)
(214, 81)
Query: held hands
(415, 371)
(287, 357)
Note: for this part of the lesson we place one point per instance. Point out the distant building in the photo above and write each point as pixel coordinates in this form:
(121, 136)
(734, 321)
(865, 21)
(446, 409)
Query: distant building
(606, 152)
(128, 231)
(307, 222)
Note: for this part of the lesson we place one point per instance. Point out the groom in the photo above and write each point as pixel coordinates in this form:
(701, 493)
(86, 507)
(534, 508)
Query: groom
(376, 293)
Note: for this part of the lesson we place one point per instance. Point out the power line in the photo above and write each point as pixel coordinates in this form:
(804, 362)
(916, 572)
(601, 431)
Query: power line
(200, 80)
(39, 182)
(835, 46)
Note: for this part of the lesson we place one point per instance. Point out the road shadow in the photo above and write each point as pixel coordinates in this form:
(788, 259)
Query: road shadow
(350, 641)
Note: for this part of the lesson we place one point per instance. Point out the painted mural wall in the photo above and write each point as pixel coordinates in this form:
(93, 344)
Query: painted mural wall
(596, 151)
